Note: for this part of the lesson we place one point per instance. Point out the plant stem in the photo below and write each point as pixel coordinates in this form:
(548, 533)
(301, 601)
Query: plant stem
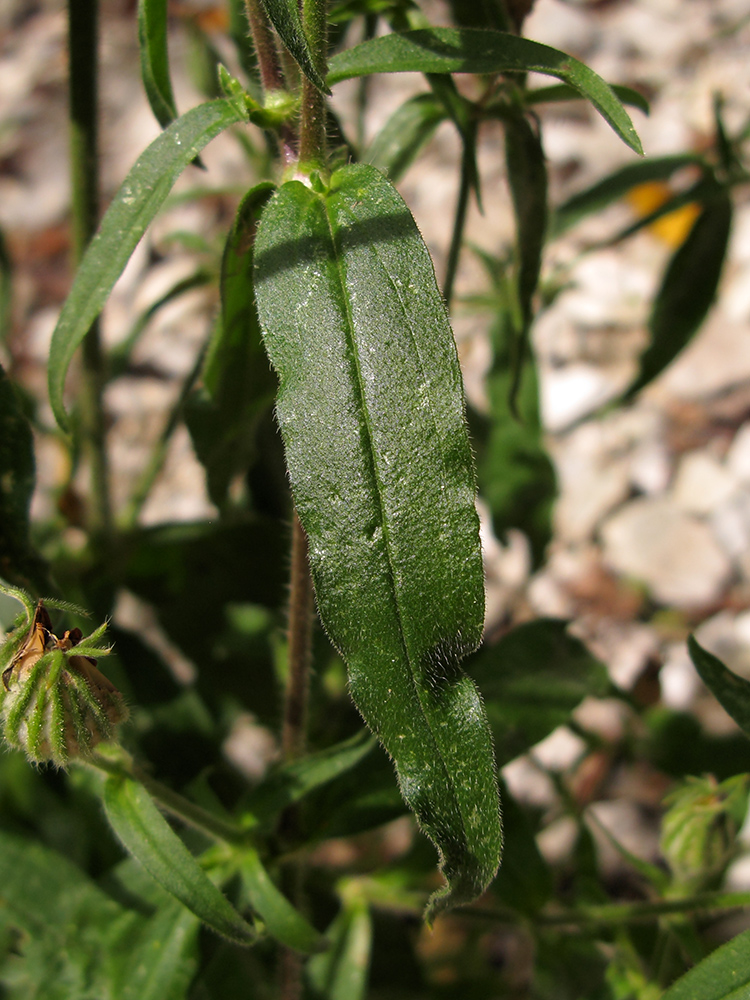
(459, 223)
(299, 638)
(84, 168)
(312, 146)
(265, 46)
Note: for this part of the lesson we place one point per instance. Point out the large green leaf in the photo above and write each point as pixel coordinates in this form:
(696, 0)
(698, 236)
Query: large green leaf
(237, 381)
(126, 220)
(731, 691)
(371, 411)
(284, 15)
(531, 681)
(723, 975)
(471, 50)
(557, 92)
(152, 42)
(145, 833)
(687, 290)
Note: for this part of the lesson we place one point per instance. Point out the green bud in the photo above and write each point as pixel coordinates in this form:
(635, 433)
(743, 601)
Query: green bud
(56, 704)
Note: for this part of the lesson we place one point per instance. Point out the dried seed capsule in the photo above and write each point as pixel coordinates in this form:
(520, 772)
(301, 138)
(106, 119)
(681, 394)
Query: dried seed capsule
(56, 704)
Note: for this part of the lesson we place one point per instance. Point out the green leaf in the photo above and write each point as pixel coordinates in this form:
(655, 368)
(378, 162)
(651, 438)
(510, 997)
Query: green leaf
(688, 289)
(341, 973)
(146, 835)
(471, 50)
(527, 177)
(563, 92)
(371, 411)
(531, 681)
(291, 782)
(282, 921)
(126, 220)
(616, 185)
(732, 692)
(284, 15)
(164, 960)
(723, 975)
(480, 14)
(18, 561)
(238, 384)
(152, 42)
(410, 127)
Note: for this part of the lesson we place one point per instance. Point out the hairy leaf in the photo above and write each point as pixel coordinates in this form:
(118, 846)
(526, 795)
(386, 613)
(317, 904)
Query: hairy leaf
(126, 220)
(146, 835)
(371, 410)
(687, 290)
(284, 15)
(152, 42)
(471, 50)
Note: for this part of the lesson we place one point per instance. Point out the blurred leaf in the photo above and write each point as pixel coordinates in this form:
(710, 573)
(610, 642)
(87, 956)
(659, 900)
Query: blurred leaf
(472, 50)
(516, 476)
(282, 921)
(126, 220)
(146, 835)
(239, 32)
(732, 692)
(152, 42)
(18, 562)
(163, 961)
(341, 973)
(678, 745)
(371, 410)
(563, 92)
(612, 188)
(6, 290)
(527, 177)
(284, 15)
(723, 975)
(237, 380)
(525, 879)
(66, 924)
(531, 680)
(480, 14)
(291, 782)
(399, 142)
(688, 289)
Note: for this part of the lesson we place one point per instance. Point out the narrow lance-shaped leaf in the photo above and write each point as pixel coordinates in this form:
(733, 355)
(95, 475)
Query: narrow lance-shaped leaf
(134, 206)
(527, 177)
(238, 384)
(371, 411)
(148, 837)
(471, 50)
(282, 921)
(152, 42)
(285, 17)
(723, 975)
(562, 92)
(732, 692)
(687, 290)
(614, 186)
(398, 143)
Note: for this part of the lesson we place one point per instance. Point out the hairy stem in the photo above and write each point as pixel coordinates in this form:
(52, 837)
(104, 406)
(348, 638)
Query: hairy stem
(299, 636)
(84, 168)
(312, 145)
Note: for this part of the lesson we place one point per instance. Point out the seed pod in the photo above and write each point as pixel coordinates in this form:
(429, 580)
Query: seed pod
(56, 704)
